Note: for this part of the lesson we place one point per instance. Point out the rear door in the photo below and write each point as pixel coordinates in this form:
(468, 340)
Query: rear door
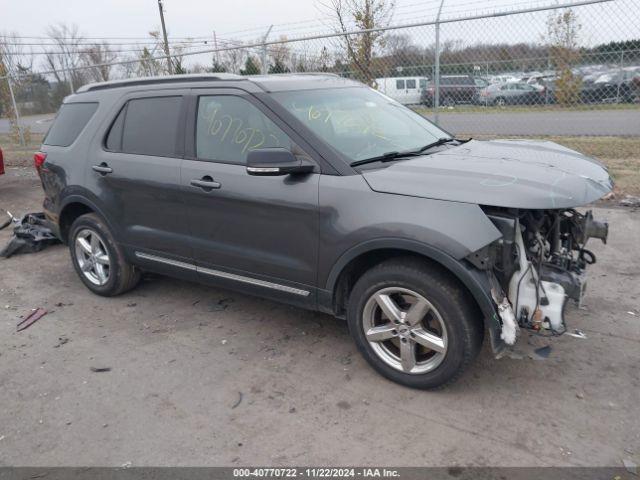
(136, 174)
(256, 233)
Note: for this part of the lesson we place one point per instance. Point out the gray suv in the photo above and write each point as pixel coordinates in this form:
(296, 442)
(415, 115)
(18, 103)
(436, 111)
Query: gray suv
(320, 192)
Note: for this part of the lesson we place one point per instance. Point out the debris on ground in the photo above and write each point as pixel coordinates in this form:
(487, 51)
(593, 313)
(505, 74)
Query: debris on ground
(237, 402)
(29, 235)
(61, 341)
(10, 219)
(35, 315)
(630, 201)
(576, 334)
(219, 305)
(543, 352)
(630, 465)
(100, 369)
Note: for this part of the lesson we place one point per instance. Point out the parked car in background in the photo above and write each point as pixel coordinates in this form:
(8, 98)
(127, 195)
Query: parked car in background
(513, 93)
(500, 79)
(454, 89)
(613, 86)
(405, 90)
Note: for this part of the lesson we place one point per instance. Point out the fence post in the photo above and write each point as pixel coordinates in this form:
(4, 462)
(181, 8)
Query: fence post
(436, 97)
(620, 75)
(15, 109)
(265, 70)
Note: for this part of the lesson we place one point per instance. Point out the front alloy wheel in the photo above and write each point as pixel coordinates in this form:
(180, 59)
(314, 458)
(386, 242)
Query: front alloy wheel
(405, 330)
(413, 322)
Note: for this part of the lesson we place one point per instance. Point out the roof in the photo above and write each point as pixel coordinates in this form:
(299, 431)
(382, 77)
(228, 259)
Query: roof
(269, 83)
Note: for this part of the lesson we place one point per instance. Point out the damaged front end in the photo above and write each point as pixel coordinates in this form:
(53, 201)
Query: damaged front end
(537, 265)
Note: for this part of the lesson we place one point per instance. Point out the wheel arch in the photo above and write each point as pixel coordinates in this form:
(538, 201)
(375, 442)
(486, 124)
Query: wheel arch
(358, 259)
(72, 207)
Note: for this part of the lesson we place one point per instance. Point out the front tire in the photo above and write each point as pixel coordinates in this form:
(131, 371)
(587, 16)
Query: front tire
(413, 323)
(98, 260)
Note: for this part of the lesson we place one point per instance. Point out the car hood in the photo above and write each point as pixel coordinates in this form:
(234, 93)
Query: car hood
(503, 173)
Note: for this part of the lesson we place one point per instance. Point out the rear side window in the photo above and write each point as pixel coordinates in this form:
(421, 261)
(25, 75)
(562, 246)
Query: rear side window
(399, 84)
(150, 126)
(411, 84)
(71, 119)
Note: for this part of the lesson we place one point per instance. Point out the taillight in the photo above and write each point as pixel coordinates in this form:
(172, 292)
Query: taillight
(38, 160)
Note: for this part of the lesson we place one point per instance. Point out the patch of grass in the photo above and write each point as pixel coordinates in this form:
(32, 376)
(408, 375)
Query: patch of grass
(18, 155)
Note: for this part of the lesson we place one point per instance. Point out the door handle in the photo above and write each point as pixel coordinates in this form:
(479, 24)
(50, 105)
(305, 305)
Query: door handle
(206, 183)
(103, 168)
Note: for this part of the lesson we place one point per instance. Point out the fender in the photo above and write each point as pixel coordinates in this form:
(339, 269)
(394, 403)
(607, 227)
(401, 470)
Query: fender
(80, 196)
(475, 280)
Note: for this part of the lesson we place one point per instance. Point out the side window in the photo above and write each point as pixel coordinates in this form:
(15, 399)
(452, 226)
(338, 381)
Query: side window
(423, 83)
(411, 84)
(399, 84)
(71, 119)
(229, 127)
(150, 126)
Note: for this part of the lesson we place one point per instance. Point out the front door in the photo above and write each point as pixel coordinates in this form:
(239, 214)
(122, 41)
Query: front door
(256, 233)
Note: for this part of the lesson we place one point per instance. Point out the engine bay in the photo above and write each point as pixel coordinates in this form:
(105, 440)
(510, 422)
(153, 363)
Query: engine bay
(537, 265)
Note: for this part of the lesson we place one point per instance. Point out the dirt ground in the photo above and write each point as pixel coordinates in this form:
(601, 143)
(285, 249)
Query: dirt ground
(201, 376)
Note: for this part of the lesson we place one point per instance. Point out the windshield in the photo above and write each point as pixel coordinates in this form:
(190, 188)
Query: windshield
(360, 123)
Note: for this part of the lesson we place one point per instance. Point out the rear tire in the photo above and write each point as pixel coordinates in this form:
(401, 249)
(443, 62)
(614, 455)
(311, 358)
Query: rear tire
(98, 260)
(413, 323)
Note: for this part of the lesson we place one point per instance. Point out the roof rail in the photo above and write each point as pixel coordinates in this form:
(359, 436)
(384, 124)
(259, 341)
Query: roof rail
(130, 82)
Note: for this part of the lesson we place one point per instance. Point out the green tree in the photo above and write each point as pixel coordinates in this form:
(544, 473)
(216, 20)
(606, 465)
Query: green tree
(278, 67)
(563, 30)
(217, 67)
(250, 67)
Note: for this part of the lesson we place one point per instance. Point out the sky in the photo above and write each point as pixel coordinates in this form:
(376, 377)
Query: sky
(248, 20)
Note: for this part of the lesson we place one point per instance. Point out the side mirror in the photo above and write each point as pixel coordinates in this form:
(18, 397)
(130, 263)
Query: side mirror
(275, 161)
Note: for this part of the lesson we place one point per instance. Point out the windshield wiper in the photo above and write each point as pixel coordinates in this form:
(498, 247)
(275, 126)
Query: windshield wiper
(440, 141)
(385, 157)
(389, 156)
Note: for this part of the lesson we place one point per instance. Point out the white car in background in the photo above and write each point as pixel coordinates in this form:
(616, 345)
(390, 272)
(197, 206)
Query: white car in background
(405, 90)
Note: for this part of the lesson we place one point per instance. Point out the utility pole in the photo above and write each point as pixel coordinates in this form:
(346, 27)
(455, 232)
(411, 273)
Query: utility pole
(164, 34)
(436, 98)
(264, 51)
(215, 45)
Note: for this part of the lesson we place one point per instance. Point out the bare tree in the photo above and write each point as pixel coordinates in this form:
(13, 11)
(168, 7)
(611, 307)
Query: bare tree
(234, 59)
(99, 54)
(361, 15)
(65, 56)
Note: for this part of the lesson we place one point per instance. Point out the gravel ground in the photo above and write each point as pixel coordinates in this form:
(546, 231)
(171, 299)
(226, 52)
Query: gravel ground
(201, 376)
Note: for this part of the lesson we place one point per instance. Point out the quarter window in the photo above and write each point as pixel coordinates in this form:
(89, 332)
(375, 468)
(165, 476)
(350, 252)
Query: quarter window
(71, 119)
(229, 127)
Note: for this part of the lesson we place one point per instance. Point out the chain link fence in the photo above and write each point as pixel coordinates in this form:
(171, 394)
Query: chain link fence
(559, 69)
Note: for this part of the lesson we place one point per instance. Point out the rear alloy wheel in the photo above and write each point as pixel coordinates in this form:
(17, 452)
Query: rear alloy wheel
(92, 256)
(500, 102)
(97, 258)
(414, 323)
